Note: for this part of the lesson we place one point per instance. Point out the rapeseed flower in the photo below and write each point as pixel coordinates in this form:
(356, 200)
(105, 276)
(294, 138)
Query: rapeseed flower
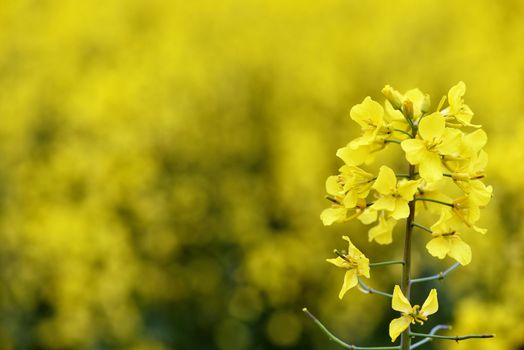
(356, 264)
(410, 314)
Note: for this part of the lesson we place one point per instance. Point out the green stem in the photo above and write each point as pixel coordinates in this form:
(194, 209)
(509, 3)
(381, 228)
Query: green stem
(438, 276)
(416, 224)
(333, 338)
(393, 141)
(405, 340)
(410, 122)
(428, 339)
(383, 263)
(369, 290)
(455, 338)
(403, 132)
(434, 201)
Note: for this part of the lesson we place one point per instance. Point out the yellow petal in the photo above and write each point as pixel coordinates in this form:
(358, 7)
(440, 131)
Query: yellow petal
(350, 280)
(332, 215)
(450, 142)
(398, 325)
(368, 112)
(363, 267)
(399, 301)
(386, 181)
(476, 140)
(431, 304)
(455, 95)
(414, 149)
(460, 250)
(432, 127)
(332, 186)
(431, 168)
(401, 209)
(353, 156)
(338, 262)
(383, 232)
(368, 216)
(438, 247)
(407, 189)
(384, 203)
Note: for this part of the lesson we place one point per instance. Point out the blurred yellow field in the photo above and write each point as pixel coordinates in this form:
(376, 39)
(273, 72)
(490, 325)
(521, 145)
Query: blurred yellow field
(163, 168)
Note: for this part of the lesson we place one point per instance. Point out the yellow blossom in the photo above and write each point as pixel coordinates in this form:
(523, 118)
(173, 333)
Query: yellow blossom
(339, 213)
(434, 141)
(410, 314)
(394, 196)
(446, 240)
(382, 233)
(458, 113)
(370, 116)
(355, 263)
(467, 209)
(355, 183)
(357, 153)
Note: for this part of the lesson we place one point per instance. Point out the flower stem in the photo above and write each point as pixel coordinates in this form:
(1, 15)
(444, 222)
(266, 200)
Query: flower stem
(405, 340)
(383, 263)
(370, 290)
(434, 201)
(333, 338)
(403, 132)
(393, 141)
(455, 338)
(428, 339)
(416, 224)
(438, 276)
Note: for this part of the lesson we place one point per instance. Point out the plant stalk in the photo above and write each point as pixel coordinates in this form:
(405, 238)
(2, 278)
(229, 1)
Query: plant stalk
(405, 340)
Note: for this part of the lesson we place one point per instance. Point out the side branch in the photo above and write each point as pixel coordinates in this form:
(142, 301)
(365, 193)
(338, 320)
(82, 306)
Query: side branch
(368, 290)
(416, 224)
(333, 338)
(456, 338)
(383, 263)
(438, 276)
(434, 201)
(434, 330)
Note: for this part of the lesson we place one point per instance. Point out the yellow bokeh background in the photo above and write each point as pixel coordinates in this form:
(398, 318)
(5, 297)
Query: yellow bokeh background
(162, 168)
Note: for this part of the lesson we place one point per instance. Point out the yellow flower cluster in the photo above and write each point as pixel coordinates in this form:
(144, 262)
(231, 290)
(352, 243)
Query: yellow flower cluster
(442, 147)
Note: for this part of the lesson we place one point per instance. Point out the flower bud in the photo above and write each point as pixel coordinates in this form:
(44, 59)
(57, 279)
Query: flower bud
(407, 109)
(424, 107)
(393, 96)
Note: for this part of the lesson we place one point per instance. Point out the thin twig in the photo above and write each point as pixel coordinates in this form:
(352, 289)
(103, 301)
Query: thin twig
(428, 339)
(456, 338)
(403, 132)
(333, 338)
(434, 201)
(383, 263)
(370, 290)
(438, 276)
(416, 224)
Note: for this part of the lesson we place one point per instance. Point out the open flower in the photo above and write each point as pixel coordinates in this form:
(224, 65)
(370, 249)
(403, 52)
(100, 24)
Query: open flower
(446, 240)
(410, 314)
(382, 233)
(434, 141)
(370, 116)
(355, 263)
(467, 209)
(348, 191)
(394, 196)
(458, 113)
